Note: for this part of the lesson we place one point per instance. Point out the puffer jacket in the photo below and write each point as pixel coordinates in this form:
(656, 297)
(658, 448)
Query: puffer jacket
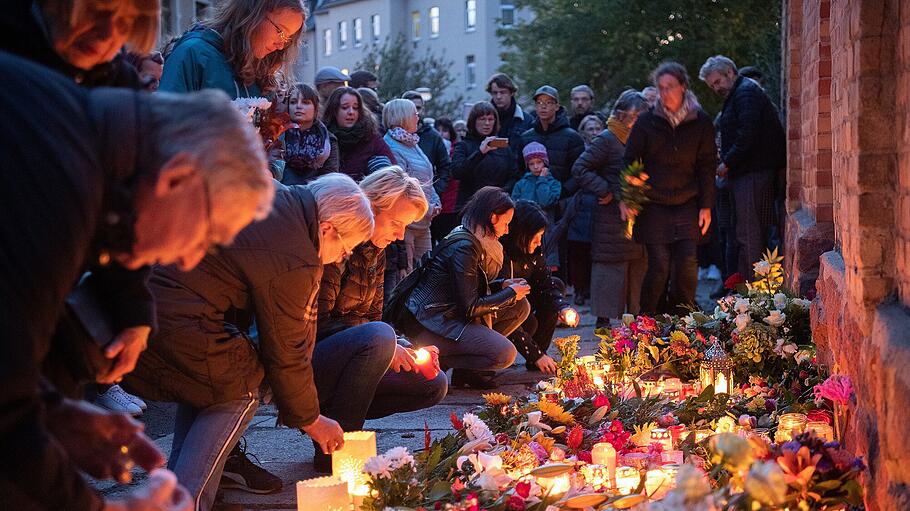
(351, 292)
(418, 166)
(597, 171)
(474, 170)
(272, 270)
(454, 290)
(564, 146)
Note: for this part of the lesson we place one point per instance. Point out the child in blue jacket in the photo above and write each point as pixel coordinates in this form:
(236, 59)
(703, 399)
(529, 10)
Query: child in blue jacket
(537, 185)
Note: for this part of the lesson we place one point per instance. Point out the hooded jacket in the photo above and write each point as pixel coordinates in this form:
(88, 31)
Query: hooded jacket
(564, 146)
(197, 62)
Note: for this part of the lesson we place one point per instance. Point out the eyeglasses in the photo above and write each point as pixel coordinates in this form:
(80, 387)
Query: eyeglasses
(347, 251)
(282, 35)
(545, 103)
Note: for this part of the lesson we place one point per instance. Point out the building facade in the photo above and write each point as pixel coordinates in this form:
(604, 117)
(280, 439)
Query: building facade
(179, 15)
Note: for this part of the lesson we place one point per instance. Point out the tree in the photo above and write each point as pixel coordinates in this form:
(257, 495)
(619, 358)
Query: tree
(615, 44)
(398, 71)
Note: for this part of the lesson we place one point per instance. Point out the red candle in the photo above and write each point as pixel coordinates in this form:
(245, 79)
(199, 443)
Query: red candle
(427, 363)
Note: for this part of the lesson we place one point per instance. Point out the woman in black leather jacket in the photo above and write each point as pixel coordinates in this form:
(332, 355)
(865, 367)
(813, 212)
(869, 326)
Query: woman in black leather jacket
(453, 306)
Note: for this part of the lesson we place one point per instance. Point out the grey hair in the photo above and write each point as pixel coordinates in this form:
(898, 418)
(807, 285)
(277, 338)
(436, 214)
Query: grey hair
(716, 64)
(630, 102)
(344, 205)
(396, 112)
(388, 184)
(583, 88)
(230, 153)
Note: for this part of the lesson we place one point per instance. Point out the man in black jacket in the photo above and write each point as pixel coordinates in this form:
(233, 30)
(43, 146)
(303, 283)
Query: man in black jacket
(513, 121)
(65, 149)
(752, 149)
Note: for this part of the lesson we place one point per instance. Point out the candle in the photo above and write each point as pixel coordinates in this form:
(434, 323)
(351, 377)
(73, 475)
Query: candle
(347, 463)
(556, 485)
(571, 317)
(677, 433)
(670, 471)
(790, 425)
(596, 476)
(325, 493)
(627, 479)
(721, 387)
(656, 484)
(605, 454)
(663, 437)
(822, 430)
(427, 363)
(673, 387)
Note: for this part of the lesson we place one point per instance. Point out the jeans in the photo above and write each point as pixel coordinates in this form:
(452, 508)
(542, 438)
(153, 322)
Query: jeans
(752, 200)
(347, 367)
(480, 348)
(417, 242)
(541, 322)
(203, 438)
(405, 392)
(674, 262)
(616, 288)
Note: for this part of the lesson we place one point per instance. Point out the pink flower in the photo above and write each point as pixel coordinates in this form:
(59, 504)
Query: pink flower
(538, 451)
(601, 400)
(837, 388)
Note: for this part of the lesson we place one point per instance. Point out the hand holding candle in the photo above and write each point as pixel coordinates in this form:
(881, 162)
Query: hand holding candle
(427, 360)
(569, 317)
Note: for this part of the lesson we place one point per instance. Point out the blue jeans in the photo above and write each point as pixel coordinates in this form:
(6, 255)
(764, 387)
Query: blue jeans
(406, 392)
(203, 438)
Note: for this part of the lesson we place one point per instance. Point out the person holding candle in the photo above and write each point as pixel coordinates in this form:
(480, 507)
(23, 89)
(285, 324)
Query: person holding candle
(350, 313)
(203, 356)
(523, 258)
(452, 305)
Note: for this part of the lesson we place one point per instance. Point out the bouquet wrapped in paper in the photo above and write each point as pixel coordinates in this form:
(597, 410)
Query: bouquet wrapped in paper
(263, 114)
(634, 182)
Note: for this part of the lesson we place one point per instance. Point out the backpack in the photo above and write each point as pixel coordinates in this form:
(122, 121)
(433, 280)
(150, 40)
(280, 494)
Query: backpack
(395, 307)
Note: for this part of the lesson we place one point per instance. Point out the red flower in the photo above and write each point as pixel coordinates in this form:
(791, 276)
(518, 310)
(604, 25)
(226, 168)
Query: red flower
(523, 488)
(573, 441)
(601, 400)
(516, 503)
(585, 456)
(733, 281)
(502, 438)
(648, 324)
(700, 337)
(456, 422)
(819, 416)
(608, 437)
(616, 426)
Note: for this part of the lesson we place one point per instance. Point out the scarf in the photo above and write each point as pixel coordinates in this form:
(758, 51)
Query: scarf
(505, 116)
(350, 137)
(307, 149)
(618, 129)
(408, 139)
(690, 104)
(493, 256)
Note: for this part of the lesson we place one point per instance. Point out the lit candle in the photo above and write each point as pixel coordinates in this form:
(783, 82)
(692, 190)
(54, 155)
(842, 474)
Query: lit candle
(571, 317)
(556, 485)
(598, 381)
(596, 476)
(326, 493)
(670, 471)
(605, 454)
(627, 479)
(656, 484)
(822, 430)
(347, 463)
(790, 425)
(663, 437)
(673, 387)
(425, 363)
(721, 387)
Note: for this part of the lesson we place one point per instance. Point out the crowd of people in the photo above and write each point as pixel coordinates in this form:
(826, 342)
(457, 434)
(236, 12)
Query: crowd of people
(155, 247)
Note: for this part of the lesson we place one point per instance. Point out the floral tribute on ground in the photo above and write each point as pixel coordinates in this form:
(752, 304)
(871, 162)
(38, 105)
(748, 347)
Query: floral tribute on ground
(713, 410)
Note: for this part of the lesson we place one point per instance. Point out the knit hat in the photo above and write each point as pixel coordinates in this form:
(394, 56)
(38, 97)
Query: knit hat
(535, 150)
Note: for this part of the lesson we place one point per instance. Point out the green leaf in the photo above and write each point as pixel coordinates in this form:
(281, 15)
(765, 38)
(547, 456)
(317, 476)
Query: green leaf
(706, 394)
(439, 491)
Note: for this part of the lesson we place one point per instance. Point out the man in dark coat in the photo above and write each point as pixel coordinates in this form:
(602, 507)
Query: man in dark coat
(752, 150)
(61, 159)
(564, 145)
(513, 121)
(582, 99)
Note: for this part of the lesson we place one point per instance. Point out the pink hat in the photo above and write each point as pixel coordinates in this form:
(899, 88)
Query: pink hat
(535, 150)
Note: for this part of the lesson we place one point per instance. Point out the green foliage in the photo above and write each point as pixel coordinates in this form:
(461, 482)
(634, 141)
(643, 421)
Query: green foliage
(399, 70)
(614, 44)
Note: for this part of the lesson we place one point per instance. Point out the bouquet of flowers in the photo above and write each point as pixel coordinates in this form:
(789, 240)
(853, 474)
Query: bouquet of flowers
(263, 114)
(634, 183)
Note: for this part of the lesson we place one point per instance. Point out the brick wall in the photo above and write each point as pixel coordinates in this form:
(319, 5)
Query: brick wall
(861, 181)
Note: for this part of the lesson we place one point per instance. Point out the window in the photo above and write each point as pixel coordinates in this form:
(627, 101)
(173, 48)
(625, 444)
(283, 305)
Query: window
(434, 21)
(506, 13)
(470, 15)
(342, 35)
(415, 25)
(374, 23)
(167, 22)
(327, 42)
(358, 32)
(470, 71)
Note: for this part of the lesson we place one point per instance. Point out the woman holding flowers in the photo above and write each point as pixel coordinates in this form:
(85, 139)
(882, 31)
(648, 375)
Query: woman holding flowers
(674, 140)
(619, 264)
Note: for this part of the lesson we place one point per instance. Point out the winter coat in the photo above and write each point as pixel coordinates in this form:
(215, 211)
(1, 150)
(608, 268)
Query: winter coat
(361, 159)
(53, 176)
(197, 62)
(542, 190)
(474, 170)
(751, 135)
(575, 120)
(564, 146)
(597, 172)
(681, 163)
(454, 291)
(293, 175)
(434, 147)
(271, 271)
(418, 166)
(351, 292)
(512, 123)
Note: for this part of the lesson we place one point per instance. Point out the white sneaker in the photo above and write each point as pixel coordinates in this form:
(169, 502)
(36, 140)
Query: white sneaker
(713, 273)
(116, 399)
(136, 400)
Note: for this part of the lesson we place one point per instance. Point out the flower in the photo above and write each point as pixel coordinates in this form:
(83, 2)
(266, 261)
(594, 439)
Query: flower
(378, 467)
(399, 457)
(628, 319)
(601, 400)
(539, 451)
(742, 321)
(720, 314)
(456, 422)
(691, 484)
(765, 483)
(733, 281)
(747, 421)
(575, 437)
(481, 462)
(798, 464)
(555, 412)
(496, 399)
(783, 349)
(780, 301)
(741, 306)
(534, 423)
(476, 429)
(725, 424)
(819, 416)
(803, 356)
(803, 303)
(775, 318)
(731, 450)
(837, 388)
(761, 268)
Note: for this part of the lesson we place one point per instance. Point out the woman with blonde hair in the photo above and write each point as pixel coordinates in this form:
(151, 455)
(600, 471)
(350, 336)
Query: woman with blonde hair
(239, 50)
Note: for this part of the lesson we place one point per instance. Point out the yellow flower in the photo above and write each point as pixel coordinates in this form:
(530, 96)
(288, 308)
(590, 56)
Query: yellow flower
(642, 435)
(555, 412)
(496, 399)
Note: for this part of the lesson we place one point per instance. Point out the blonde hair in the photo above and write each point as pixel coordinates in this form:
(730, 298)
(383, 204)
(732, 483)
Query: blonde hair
(388, 184)
(396, 112)
(343, 204)
(236, 20)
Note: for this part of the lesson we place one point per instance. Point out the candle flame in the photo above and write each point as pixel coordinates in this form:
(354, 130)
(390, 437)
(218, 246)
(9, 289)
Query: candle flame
(421, 356)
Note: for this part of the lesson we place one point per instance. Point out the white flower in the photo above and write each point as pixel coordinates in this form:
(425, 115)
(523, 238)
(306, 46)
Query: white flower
(766, 483)
(741, 306)
(742, 321)
(690, 321)
(762, 268)
(775, 318)
(628, 319)
(544, 385)
(378, 467)
(780, 301)
(534, 425)
(481, 462)
(719, 314)
(476, 429)
(783, 348)
(805, 304)
(803, 356)
(725, 424)
(398, 457)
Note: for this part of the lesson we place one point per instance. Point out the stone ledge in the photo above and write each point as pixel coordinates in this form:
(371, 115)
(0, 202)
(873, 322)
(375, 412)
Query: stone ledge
(806, 241)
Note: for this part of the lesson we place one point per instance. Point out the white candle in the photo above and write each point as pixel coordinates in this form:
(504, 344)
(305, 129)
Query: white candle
(605, 454)
(326, 493)
(721, 387)
(627, 479)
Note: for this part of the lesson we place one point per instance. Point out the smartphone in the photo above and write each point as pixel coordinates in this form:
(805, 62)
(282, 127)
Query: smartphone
(499, 142)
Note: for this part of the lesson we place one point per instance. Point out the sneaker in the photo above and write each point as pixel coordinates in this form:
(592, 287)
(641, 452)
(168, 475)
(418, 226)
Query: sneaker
(713, 273)
(116, 399)
(136, 400)
(242, 474)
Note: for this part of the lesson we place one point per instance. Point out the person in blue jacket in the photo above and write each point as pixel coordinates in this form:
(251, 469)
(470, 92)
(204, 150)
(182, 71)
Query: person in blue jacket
(537, 185)
(238, 50)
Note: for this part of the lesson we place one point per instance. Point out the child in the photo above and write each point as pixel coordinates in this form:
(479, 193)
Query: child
(537, 185)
